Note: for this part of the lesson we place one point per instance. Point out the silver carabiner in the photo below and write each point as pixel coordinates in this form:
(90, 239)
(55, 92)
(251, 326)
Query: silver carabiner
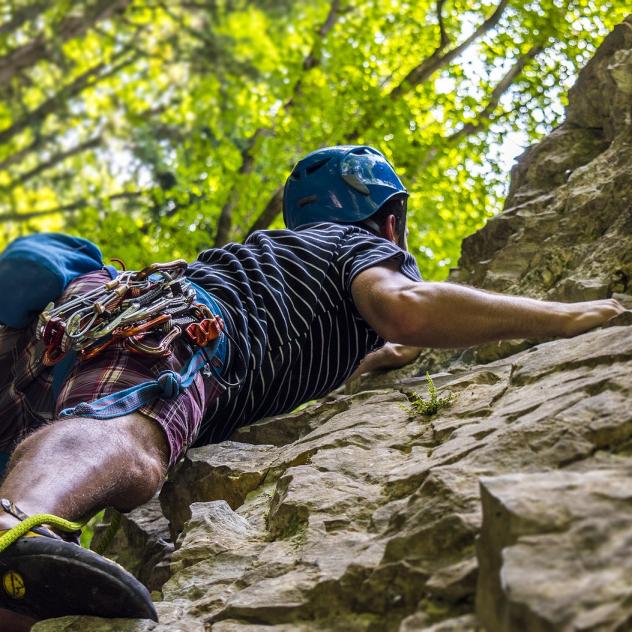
(132, 310)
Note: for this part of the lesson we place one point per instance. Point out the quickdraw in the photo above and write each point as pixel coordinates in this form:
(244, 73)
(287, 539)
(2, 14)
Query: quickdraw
(157, 300)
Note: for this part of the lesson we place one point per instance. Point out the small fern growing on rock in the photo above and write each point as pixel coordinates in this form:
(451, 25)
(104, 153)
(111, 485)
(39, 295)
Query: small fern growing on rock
(428, 407)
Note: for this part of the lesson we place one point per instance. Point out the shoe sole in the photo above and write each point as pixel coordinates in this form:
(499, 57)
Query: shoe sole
(47, 578)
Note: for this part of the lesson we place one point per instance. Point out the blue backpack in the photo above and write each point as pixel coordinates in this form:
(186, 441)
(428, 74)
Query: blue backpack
(35, 270)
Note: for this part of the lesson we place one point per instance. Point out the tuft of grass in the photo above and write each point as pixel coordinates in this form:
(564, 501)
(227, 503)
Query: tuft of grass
(428, 407)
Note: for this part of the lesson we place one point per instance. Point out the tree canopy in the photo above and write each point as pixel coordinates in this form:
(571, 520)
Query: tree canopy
(159, 128)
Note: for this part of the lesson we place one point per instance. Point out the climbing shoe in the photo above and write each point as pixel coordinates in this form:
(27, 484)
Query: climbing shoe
(46, 577)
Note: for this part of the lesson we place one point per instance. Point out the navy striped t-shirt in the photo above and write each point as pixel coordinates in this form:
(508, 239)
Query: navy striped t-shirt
(286, 299)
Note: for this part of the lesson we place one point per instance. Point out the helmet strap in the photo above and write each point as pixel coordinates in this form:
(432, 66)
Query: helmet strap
(375, 227)
(371, 223)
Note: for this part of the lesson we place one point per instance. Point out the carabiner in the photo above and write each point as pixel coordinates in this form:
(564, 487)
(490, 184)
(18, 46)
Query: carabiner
(161, 349)
(75, 329)
(142, 328)
(180, 266)
(90, 352)
(129, 313)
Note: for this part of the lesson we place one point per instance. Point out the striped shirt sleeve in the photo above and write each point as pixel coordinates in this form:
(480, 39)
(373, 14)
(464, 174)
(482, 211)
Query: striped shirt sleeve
(362, 250)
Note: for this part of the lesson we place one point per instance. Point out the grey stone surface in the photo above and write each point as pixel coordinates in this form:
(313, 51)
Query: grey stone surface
(555, 551)
(356, 514)
(370, 520)
(141, 544)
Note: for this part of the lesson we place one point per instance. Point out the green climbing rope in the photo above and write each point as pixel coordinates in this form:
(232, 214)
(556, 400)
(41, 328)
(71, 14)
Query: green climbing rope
(36, 520)
(110, 532)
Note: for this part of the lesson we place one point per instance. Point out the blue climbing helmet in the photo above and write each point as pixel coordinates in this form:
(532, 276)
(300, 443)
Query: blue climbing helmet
(344, 184)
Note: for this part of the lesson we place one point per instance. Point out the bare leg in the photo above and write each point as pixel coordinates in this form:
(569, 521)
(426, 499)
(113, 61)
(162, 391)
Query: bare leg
(77, 466)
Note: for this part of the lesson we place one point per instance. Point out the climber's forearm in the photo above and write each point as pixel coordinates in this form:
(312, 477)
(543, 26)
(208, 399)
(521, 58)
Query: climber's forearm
(448, 315)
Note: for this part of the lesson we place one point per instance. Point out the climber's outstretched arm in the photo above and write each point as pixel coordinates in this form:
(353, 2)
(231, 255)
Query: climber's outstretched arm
(446, 315)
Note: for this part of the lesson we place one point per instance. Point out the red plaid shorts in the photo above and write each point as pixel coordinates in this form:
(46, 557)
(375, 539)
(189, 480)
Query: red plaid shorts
(27, 400)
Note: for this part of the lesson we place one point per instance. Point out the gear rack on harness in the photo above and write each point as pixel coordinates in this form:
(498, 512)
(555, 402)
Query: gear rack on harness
(157, 300)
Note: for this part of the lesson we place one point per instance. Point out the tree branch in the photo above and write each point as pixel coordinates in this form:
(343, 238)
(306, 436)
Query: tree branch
(311, 60)
(485, 115)
(66, 208)
(271, 210)
(444, 39)
(20, 16)
(54, 160)
(436, 60)
(430, 65)
(503, 85)
(81, 82)
(225, 220)
(20, 154)
(70, 27)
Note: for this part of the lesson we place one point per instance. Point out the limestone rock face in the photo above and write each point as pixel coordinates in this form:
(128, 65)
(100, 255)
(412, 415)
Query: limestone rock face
(556, 550)
(508, 510)
(141, 544)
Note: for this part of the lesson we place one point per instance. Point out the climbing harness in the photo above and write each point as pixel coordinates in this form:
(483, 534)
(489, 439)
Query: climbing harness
(157, 300)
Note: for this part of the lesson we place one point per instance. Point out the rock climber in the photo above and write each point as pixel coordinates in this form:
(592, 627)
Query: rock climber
(295, 312)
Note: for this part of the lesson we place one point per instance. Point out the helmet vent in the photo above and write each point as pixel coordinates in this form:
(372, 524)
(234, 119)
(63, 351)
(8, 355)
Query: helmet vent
(316, 166)
(306, 200)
